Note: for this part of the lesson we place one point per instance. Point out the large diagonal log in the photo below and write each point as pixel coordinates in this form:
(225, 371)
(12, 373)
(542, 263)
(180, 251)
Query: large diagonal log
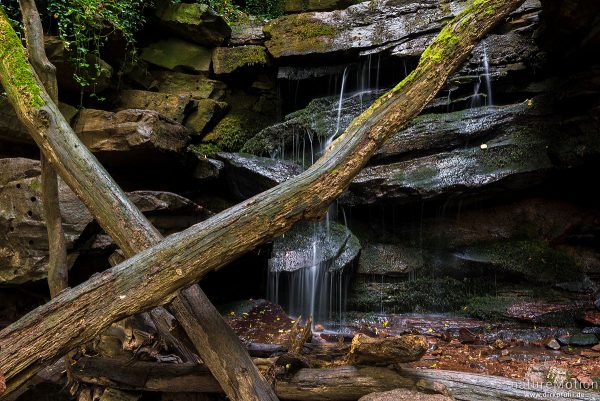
(225, 355)
(153, 276)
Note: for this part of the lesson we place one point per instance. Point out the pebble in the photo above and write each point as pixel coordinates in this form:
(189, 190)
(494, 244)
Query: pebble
(553, 344)
(319, 327)
(465, 336)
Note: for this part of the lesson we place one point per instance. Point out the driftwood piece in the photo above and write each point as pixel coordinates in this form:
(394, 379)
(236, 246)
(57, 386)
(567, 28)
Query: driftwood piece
(153, 276)
(339, 383)
(367, 350)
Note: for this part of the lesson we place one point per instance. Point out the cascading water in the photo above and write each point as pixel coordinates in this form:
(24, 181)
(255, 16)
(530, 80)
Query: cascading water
(477, 95)
(316, 289)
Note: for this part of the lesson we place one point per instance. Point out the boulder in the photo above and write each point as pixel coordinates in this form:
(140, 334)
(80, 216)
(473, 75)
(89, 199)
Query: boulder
(11, 128)
(205, 114)
(176, 54)
(403, 394)
(248, 175)
(24, 242)
(310, 244)
(227, 60)
(195, 22)
(143, 132)
(319, 118)
(194, 86)
(249, 114)
(363, 27)
(207, 168)
(173, 107)
(247, 33)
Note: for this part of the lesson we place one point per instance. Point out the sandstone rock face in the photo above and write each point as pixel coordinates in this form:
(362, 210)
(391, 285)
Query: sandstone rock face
(390, 259)
(337, 246)
(130, 130)
(227, 60)
(362, 27)
(194, 86)
(205, 114)
(173, 107)
(24, 242)
(299, 6)
(247, 33)
(248, 175)
(194, 22)
(177, 54)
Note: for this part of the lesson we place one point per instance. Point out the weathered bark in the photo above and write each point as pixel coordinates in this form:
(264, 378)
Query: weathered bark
(212, 334)
(127, 226)
(366, 350)
(340, 383)
(58, 270)
(152, 277)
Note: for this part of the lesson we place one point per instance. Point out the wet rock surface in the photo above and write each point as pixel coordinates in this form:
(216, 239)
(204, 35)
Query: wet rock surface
(361, 27)
(248, 175)
(308, 245)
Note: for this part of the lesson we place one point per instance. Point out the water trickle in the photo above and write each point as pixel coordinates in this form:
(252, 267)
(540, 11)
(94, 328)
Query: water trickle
(481, 99)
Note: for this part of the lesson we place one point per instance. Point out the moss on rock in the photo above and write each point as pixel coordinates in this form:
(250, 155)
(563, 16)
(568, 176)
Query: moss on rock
(298, 34)
(231, 59)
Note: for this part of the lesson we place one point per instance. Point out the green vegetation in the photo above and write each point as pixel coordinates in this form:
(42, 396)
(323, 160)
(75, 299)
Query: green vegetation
(265, 8)
(85, 26)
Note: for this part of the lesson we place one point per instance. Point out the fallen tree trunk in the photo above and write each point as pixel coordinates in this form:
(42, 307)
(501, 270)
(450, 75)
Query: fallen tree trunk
(339, 383)
(153, 276)
(224, 355)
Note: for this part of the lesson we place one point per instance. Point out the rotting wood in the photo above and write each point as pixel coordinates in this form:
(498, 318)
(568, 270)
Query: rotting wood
(338, 383)
(152, 277)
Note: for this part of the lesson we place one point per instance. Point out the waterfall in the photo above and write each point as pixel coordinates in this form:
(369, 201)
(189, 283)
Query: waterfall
(315, 290)
(485, 73)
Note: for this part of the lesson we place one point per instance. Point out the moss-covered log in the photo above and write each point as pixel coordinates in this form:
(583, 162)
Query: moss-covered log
(153, 276)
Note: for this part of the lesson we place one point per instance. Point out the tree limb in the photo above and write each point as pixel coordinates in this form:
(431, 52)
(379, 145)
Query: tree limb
(152, 277)
(58, 270)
